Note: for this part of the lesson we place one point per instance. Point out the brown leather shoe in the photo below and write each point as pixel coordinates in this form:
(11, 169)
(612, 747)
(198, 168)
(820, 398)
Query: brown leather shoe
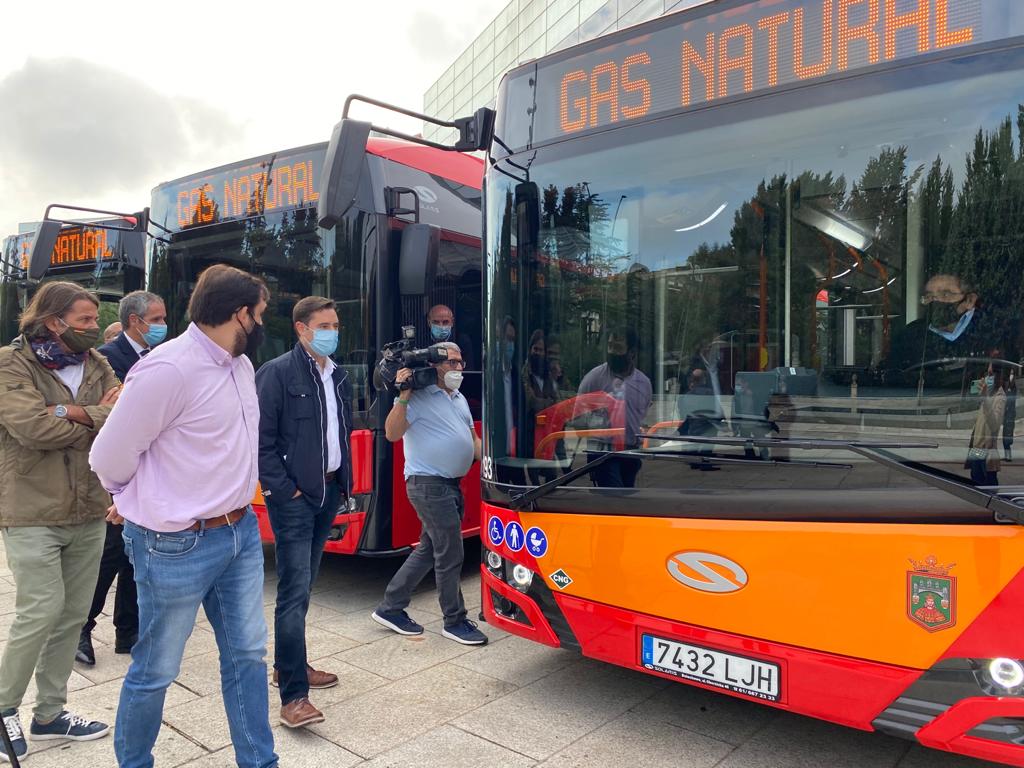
(315, 677)
(300, 713)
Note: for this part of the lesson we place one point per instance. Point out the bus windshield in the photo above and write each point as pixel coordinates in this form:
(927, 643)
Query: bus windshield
(840, 263)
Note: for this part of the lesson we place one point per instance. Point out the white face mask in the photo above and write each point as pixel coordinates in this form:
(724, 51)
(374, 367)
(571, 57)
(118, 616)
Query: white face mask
(453, 380)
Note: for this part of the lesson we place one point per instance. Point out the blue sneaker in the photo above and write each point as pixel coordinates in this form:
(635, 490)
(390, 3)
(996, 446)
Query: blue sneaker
(68, 726)
(465, 632)
(397, 621)
(13, 726)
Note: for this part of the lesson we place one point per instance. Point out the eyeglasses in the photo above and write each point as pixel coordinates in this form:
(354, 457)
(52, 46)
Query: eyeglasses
(454, 363)
(946, 297)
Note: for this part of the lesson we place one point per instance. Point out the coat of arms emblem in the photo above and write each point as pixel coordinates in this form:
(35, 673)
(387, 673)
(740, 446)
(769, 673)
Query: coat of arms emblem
(931, 594)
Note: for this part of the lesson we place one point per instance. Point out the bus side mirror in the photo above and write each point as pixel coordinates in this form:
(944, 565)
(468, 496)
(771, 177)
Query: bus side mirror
(42, 249)
(343, 166)
(134, 244)
(417, 259)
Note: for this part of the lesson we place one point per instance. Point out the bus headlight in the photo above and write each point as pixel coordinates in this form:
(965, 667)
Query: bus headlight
(522, 577)
(1006, 673)
(493, 561)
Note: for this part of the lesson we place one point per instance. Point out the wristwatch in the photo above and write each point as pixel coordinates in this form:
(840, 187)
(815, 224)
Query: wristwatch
(61, 411)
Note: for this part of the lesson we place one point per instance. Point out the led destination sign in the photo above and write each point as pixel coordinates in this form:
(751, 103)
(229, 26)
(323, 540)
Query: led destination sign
(687, 59)
(270, 184)
(75, 246)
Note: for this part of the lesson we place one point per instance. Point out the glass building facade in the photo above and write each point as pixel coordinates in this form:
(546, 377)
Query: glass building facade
(524, 30)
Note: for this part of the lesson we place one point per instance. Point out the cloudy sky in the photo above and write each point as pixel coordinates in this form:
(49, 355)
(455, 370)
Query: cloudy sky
(101, 101)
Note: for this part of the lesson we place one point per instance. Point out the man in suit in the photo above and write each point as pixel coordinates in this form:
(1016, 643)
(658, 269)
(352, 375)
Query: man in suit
(143, 319)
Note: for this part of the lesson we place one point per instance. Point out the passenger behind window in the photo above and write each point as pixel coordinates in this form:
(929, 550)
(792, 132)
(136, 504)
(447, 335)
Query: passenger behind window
(933, 351)
(624, 382)
(982, 455)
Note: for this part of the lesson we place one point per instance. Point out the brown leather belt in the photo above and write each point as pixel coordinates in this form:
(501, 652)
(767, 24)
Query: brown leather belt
(329, 478)
(220, 521)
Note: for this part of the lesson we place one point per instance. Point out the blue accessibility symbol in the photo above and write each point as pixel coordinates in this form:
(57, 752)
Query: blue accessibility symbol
(496, 531)
(537, 542)
(514, 538)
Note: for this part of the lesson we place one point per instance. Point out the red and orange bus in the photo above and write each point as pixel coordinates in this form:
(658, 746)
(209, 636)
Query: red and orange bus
(755, 272)
(261, 215)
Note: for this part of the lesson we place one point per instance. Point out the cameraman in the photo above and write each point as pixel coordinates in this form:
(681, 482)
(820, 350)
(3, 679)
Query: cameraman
(440, 447)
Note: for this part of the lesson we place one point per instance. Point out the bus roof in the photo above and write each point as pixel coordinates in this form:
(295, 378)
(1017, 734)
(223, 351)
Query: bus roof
(456, 166)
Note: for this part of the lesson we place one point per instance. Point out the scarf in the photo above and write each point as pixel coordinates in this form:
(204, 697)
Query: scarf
(52, 355)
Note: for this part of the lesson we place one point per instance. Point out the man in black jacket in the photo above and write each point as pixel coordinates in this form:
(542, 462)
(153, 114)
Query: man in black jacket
(305, 473)
(143, 323)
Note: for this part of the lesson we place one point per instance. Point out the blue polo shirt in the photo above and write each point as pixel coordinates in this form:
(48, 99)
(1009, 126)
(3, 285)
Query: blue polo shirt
(439, 441)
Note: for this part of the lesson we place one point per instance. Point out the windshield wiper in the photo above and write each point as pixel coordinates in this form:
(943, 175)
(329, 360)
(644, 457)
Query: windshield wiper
(880, 453)
(528, 497)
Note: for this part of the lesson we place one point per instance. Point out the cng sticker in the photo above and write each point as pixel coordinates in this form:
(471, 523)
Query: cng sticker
(560, 578)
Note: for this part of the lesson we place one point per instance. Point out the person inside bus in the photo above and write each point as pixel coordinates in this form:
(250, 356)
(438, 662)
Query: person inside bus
(441, 324)
(538, 383)
(144, 317)
(440, 444)
(305, 404)
(982, 454)
(555, 370)
(180, 456)
(619, 377)
(932, 350)
(111, 331)
(56, 392)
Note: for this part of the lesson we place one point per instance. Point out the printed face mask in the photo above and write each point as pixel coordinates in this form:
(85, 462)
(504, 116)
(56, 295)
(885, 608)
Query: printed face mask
(79, 341)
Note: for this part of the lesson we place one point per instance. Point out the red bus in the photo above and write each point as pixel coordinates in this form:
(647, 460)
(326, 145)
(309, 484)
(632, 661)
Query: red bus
(260, 215)
(755, 272)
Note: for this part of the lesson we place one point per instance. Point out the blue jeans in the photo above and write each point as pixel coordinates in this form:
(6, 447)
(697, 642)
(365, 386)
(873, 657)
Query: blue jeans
(300, 532)
(222, 569)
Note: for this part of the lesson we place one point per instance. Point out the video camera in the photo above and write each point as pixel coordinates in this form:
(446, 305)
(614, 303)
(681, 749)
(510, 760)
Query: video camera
(401, 354)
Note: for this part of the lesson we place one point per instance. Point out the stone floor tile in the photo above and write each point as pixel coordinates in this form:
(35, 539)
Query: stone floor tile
(385, 717)
(320, 643)
(919, 757)
(550, 714)
(397, 656)
(352, 681)
(171, 750)
(344, 600)
(516, 660)
(802, 742)
(717, 715)
(448, 747)
(203, 721)
(632, 738)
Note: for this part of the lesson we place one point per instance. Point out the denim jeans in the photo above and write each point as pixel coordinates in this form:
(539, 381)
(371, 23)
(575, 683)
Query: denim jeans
(221, 569)
(300, 532)
(439, 506)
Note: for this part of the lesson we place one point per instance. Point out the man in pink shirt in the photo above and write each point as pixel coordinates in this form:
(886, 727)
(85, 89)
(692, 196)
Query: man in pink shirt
(180, 459)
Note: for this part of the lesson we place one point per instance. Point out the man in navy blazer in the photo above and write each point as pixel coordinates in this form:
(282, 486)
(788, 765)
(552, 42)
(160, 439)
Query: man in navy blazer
(143, 319)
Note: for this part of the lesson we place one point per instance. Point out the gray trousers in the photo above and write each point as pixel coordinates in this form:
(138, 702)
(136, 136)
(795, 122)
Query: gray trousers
(439, 505)
(55, 570)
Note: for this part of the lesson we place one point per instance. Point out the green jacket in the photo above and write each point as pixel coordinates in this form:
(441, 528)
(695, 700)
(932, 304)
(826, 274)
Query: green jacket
(45, 478)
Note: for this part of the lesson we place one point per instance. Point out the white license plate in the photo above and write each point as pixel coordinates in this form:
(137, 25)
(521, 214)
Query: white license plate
(740, 674)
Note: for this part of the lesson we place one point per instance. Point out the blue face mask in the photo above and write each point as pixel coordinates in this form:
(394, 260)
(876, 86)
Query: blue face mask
(155, 334)
(440, 332)
(510, 351)
(324, 342)
(990, 382)
(957, 332)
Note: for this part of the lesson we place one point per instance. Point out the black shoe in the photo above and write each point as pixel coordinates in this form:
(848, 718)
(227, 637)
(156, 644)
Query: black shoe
(125, 644)
(85, 653)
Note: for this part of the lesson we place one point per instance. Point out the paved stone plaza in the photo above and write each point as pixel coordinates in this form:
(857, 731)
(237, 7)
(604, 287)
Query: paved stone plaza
(421, 702)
